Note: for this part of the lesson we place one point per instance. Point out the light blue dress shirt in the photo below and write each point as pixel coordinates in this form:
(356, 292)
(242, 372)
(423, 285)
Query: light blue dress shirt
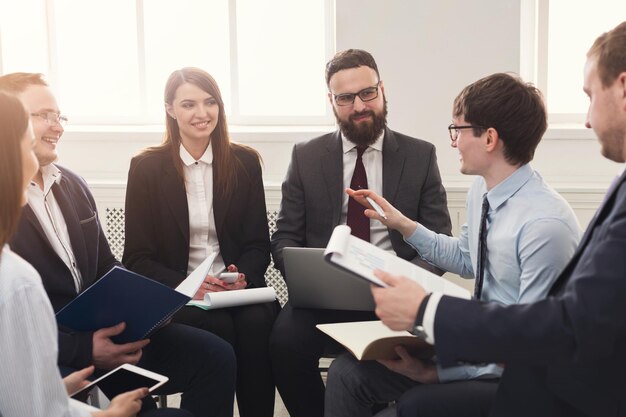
(532, 233)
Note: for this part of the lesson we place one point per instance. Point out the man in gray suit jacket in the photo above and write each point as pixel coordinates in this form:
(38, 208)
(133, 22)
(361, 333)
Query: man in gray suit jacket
(362, 153)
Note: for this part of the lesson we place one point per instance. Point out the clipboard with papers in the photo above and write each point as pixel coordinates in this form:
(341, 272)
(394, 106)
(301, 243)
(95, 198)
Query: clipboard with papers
(361, 258)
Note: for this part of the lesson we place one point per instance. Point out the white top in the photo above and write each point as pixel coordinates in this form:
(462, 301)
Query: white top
(52, 221)
(373, 162)
(30, 384)
(199, 187)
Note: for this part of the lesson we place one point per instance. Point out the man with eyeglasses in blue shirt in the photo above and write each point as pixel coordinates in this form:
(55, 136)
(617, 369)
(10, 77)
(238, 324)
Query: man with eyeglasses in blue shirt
(363, 151)
(518, 238)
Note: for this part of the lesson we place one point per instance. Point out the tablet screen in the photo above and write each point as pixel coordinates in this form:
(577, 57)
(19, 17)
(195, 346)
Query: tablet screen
(117, 382)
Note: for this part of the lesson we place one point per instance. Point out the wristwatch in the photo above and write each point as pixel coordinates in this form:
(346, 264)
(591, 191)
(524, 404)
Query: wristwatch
(418, 328)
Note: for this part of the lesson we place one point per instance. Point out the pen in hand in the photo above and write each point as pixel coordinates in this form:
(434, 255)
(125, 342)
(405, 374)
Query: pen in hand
(376, 207)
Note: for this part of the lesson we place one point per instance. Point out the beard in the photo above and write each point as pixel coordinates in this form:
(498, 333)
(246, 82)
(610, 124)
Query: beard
(366, 133)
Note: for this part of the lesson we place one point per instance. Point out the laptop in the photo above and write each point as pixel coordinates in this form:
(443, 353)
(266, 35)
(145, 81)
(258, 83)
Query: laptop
(314, 283)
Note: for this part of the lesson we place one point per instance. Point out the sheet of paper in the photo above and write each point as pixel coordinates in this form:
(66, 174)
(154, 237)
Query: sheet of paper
(190, 285)
(235, 298)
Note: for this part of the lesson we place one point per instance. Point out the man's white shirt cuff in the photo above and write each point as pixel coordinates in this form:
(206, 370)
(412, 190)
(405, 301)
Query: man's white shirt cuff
(429, 317)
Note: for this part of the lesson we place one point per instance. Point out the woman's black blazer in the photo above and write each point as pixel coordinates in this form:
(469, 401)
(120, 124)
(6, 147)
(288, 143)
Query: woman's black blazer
(157, 220)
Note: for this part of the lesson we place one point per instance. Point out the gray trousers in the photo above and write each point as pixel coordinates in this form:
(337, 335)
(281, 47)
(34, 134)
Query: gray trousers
(354, 387)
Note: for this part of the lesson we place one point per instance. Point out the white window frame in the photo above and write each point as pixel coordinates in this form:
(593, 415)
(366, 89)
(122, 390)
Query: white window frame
(534, 18)
(235, 118)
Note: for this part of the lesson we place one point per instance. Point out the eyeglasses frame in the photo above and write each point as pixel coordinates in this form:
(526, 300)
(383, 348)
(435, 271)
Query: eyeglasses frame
(455, 136)
(354, 95)
(60, 119)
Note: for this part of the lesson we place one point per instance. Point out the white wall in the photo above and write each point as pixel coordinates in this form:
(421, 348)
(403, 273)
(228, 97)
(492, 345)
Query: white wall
(427, 51)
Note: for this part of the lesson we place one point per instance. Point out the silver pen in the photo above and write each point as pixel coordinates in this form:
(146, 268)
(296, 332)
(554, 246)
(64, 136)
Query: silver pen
(376, 207)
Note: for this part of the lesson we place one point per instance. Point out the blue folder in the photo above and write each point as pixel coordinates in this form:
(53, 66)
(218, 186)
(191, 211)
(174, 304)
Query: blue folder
(122, 295)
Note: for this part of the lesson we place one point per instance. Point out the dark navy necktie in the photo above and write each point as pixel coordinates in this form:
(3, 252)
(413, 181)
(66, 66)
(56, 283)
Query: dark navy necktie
(359, 223)
(482, 250)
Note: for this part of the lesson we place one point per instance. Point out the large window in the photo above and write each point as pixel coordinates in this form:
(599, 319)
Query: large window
(556, 35)
(108, 60)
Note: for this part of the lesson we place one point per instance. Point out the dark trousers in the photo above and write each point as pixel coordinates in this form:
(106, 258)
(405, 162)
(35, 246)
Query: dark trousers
(247, 329)
(198, 364)
(165, 412)
(296, 346)
(455, 399)
(355, 387)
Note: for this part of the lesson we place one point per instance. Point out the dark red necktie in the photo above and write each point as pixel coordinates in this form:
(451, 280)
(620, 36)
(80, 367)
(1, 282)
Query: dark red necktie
(358, 222)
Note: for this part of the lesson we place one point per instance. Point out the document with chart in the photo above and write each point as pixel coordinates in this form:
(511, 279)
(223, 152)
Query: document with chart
(361, 258)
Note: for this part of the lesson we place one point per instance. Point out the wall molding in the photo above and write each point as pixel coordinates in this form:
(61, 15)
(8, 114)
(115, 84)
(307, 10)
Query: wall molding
(584, 200)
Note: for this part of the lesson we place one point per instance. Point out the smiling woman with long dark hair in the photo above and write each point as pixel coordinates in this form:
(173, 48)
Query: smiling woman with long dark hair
(196, 194)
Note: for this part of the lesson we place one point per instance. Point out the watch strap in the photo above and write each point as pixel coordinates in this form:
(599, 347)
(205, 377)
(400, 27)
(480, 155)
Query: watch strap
(418, 328)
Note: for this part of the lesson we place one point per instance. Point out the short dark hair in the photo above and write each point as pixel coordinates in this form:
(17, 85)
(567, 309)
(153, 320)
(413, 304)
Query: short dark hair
(609, 49)
(514, 108)
(350, 58)
(13, 125)
(17, 82)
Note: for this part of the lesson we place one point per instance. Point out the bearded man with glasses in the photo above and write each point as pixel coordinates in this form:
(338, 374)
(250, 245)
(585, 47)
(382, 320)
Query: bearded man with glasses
(362, 153)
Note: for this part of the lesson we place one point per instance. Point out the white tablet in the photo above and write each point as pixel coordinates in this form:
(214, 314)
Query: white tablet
(122, 379)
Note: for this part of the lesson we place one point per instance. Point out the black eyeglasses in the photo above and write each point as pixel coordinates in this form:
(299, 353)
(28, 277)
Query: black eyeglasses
(455, 130)
(367, 94)
(51, 117)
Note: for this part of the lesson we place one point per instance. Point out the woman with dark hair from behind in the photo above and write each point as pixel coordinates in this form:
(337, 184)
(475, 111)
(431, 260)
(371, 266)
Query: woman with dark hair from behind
(196, 194)
(30, 384)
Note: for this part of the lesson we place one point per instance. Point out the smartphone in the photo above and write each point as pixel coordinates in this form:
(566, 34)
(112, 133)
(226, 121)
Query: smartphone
(228, 277)
(122, 379)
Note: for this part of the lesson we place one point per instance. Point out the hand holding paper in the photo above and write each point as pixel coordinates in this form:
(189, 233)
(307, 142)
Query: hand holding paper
(397, 304)
(361, 258)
